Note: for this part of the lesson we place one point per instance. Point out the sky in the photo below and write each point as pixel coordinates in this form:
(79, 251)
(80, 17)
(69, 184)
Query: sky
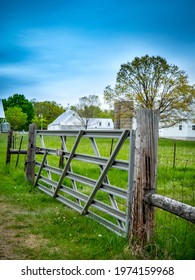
(63, 50)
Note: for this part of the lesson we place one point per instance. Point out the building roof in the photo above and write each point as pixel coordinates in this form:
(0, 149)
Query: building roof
(2, 114)
(65, 117)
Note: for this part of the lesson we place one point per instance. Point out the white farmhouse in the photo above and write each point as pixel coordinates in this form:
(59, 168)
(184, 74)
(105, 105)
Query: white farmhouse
(183, 130)
(71, 120)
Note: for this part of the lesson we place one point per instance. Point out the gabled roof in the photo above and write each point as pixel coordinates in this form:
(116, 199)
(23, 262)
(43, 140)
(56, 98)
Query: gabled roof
(2, 114)
(71, 118)
(65, 117)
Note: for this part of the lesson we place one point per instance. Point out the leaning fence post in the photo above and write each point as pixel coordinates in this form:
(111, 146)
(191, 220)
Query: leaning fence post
(30, 161)
(9, 145)
(145, 173)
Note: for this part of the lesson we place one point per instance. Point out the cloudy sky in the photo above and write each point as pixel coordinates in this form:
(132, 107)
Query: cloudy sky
(64, 49)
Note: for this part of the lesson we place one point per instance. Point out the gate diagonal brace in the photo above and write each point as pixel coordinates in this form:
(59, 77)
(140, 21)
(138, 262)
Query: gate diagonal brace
(106, 180)
(66, 168)
(41, 167)
(105, 171)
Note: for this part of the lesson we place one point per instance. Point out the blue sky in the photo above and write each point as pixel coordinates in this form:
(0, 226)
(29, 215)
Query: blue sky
(64, 49)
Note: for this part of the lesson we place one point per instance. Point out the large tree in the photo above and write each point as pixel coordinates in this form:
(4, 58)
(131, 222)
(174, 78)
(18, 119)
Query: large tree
(151, 82)
(19, 100)
(88, 108)
(46, 112)
(16, 118)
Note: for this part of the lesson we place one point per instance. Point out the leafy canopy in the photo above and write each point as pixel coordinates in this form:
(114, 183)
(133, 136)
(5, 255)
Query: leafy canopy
(16, 117)
(88, 108)
(19, 100)
(46, 112)
(151, 82)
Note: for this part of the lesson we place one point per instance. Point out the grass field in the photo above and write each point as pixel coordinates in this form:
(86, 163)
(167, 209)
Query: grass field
(35, 226)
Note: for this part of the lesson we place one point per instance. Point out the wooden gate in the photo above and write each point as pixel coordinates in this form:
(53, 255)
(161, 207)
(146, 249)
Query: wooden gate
(79, 172)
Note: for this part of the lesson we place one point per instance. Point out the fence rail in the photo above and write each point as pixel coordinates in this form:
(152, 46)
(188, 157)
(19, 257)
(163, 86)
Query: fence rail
(125, 210)
(173, 206)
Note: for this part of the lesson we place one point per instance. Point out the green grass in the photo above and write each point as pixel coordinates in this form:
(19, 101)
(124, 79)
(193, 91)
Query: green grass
(42, 228)
(176, 179)
(60, 233)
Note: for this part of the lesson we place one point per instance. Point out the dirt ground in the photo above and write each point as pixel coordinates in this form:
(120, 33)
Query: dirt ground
(14, 240)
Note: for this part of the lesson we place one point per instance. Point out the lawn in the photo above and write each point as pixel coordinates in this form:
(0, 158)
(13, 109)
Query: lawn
(35, 226)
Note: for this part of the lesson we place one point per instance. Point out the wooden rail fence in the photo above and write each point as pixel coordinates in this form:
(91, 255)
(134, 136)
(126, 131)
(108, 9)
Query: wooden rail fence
(128, 211)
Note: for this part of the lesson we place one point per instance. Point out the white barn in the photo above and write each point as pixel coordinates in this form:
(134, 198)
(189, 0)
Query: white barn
(184, 130)
(2, 113)
(71, 120)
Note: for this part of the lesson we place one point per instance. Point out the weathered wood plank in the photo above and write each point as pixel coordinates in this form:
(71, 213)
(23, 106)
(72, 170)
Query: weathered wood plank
(30, 162)
(180, 209)
(145, 174)
(9, 144)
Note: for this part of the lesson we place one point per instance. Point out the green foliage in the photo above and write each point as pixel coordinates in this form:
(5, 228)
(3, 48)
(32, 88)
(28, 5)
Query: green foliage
(107, 114)
(46, 112)
(19, 100)
(16, 118)
(151, 82)
(40, 121)
(89, 107)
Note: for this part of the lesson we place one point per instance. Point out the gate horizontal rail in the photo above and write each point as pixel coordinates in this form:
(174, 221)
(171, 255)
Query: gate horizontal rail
(119, 164)
(94, 197)
(86, 133)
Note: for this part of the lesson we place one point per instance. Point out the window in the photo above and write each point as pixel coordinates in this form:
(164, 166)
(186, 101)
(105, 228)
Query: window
(108, 124)
(193, 127)
(100, 123)
(180, 127)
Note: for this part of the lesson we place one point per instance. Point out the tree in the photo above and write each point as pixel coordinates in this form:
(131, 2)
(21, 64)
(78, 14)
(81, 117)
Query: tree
(107, 114)
(16, 117)
(46, 112)
(151, 82)
(88, 108)
(26, 106)
(40, 121)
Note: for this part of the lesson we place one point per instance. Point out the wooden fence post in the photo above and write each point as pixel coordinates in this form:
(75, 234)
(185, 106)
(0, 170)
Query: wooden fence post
(9, 145)
(174, 153)
(30, 162)
(145, 173)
